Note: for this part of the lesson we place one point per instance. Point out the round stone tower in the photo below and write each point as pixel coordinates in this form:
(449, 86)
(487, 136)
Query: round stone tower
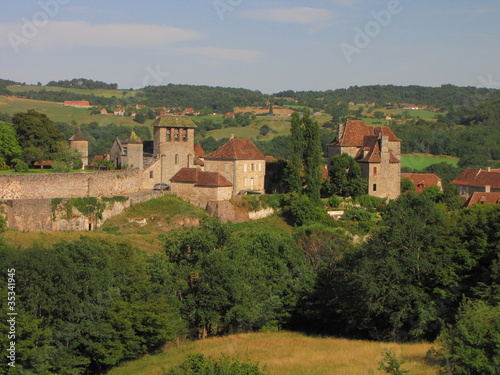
(80, 143)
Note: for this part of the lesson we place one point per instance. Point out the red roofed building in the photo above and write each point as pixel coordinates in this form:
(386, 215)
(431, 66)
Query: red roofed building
(378, 152)
(241, 162)
(483, 198)
(477, 180)
(78, 104)
(423, 180)
(200, 187)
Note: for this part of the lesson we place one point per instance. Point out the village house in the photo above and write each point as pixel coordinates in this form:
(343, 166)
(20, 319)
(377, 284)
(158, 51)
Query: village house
(483, 198)
(423, 180)
(477, 180)
(377, 151)
(241, 162)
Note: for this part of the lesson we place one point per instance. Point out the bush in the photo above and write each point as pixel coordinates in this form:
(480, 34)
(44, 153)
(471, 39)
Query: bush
(21, 167)
(300, 210)
(334, 201)
(60, 167)
(472, 345)
(197, 363)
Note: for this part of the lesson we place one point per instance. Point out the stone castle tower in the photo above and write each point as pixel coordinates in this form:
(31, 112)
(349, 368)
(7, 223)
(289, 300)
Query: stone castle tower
(80, 143)
(377, 151)
(174, 144)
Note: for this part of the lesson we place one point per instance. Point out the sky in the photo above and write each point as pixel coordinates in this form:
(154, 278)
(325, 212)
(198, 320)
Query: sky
(265, 45)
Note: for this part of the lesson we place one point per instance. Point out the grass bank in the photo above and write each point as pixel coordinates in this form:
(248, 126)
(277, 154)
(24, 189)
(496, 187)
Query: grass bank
(287, 353)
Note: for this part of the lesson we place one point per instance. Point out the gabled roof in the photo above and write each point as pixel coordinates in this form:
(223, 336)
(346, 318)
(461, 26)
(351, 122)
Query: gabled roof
(479, 178)
(355, 132)
(483, 198)
(423, 180)
(198, 151)
(372, 146)
(200, 178)
(174, 122)
(78, 136)
(237, 149)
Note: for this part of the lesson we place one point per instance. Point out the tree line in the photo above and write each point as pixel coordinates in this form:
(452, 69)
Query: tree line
(426, 272)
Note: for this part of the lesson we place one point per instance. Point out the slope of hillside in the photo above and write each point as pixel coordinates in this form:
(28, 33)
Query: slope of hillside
(286, 353)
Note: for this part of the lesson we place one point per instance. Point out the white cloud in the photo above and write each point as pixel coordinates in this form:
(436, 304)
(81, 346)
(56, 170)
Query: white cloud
(80, 33)
(298, 15)
(217, 53)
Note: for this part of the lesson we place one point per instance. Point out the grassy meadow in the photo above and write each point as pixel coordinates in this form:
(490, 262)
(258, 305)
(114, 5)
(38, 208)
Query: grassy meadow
(107, 93)
(59, 113)
(287, 353)
(421, 161)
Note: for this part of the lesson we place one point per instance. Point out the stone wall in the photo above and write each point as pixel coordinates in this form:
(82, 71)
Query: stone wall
(200, 195)
(67, 185)
(243, 174)
(52, 214)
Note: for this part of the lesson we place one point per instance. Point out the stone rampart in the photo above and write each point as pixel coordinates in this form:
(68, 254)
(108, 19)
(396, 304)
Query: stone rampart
(67, 185)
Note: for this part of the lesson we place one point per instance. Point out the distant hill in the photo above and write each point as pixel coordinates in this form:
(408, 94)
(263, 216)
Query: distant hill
(4, 83)
(441, 97)
(82, 83)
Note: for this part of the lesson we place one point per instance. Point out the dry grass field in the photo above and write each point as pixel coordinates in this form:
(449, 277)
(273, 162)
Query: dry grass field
(286, 353)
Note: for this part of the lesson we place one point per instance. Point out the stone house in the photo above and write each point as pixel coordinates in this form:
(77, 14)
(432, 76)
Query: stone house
(241, 162)
(477, 180)
(377, 151)
(199, 187)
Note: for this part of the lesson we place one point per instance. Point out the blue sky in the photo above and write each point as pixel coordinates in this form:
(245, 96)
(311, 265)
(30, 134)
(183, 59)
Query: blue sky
(261, 45)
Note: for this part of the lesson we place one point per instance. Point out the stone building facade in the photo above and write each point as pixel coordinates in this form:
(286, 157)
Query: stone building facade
(241, 162)
(377, 151)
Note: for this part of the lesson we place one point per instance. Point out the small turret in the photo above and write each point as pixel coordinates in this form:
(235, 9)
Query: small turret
(80, 143)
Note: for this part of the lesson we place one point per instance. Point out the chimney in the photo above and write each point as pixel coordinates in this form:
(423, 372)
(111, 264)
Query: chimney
(232, 136)
(489, 169)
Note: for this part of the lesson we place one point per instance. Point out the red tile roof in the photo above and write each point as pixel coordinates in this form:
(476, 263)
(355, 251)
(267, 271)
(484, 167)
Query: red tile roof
(423, 180)
(483, 198)
(355, 132)
(479, 178)
(200, 178)
(237, 149)
(199, 152)
(214, 179)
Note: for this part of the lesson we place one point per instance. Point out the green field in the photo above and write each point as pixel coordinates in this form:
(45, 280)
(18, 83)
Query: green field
(59, 113)
(107, 93)
(421, 161)
(286, 353)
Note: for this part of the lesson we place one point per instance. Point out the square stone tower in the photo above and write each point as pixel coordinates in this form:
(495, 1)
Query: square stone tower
(173, 144)
(80, 143)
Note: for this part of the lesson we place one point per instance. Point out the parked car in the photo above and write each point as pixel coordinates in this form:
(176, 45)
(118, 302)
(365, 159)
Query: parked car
(161, 186)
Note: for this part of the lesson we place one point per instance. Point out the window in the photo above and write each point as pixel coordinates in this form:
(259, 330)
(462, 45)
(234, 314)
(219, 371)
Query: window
(245, 167)
(176, 135)
(168, 136)
(260, 167)
(184, 135)
(124, 150)
(176, 159)
(151, 174)
(374, 187)
(253, 167)
(374, 171)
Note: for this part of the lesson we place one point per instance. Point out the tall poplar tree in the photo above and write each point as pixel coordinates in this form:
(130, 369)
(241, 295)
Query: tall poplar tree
(312, 157)
(292, 176)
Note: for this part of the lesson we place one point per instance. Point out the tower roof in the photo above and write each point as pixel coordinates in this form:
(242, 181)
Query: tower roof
(78, 136)
(174, 122)
(237, 149)
(133, 138)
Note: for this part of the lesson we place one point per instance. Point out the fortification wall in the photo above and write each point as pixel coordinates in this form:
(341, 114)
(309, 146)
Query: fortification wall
(52, 214)
(55, 185)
